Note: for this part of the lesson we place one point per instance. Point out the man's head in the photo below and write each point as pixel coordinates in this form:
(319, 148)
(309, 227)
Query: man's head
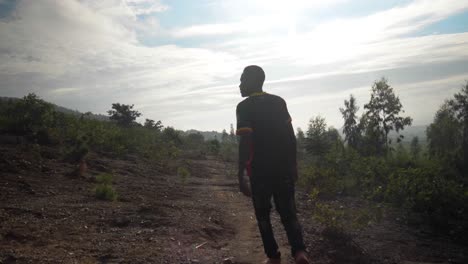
(252, 79)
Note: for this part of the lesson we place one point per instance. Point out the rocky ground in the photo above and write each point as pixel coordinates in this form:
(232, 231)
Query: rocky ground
(49, 215)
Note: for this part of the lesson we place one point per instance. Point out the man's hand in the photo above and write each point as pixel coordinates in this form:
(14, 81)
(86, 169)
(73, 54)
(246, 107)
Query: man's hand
(294, 174)
(244, 186)
(244, 154)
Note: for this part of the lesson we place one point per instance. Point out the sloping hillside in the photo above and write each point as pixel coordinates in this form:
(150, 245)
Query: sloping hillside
(49, 215)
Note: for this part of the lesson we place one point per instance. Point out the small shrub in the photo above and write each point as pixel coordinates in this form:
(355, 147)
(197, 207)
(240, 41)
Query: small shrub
(228, 151)
(78, 151)
(324, 179)
(341, 218)
(105, 178)
(183, 173)
(430, 190)
(35, 150)
(213, 146)
(106, 192)
(29, 116)
(104, 189)
(329, 216)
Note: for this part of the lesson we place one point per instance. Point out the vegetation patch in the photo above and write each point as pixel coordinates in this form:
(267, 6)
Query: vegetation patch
(104, 189)
(183, 173)
(371, 164)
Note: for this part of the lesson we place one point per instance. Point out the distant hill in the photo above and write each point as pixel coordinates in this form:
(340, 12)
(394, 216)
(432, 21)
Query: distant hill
(5, 99)
(408, 134)
(208, 135)
(412, 131)
(63, 110)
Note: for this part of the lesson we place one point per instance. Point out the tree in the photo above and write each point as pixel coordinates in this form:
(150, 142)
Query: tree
(333, 135)
(301, 141)
(123, 114)
(351, 128)
(371, 140)
(30, 115)
(232, 135)
(383, 114)
(224, 136)
(401, 155)
(169, 134)
(195, 140)
(151, 124)
(214, 146)
(460, 107)
(444, 135)
(316, 140)
(334, 141)
(87, 115)
(415, 148)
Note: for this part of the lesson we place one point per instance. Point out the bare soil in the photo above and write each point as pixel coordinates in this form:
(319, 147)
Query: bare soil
(49, 215)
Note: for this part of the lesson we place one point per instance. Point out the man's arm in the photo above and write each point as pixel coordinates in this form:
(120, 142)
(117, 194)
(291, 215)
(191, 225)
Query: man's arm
(244, 155)
(244, 130)
(292, 145)
(293, 152)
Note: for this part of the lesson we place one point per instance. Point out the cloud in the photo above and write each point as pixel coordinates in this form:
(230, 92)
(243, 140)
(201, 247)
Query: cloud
(239, 9)
(339, 39)
(88, 54)
(246, 26)
(146, 7)
(269, 15)
(62, 91)
(98, 54)
(254, 16)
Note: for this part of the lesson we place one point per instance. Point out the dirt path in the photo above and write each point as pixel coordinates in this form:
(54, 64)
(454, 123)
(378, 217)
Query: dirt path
(245, 246)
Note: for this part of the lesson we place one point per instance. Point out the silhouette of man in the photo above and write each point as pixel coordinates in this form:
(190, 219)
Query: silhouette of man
(267, 151)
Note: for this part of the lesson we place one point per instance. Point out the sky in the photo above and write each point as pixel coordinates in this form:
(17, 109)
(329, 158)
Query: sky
(180, 61)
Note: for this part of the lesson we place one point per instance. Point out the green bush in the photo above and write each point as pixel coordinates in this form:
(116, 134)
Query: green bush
(433, 188)
(105, 192)
(213, 146)
(30, 116)
(433, 185)
(228, 151)
(342, 219)
(104, 189)
(344, 172)
(105, 178)
(78, 151)
(40, 121)
(324, 179)
(431, 191)
(183, 173)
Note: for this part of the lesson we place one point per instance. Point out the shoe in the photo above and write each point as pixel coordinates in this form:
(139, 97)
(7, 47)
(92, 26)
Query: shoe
(273, 261)
(301, 258)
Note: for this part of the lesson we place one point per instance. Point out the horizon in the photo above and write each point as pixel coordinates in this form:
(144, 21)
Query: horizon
(180, 62)
(304, 129)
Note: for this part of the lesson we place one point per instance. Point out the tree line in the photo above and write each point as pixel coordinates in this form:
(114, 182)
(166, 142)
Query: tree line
(429, 180)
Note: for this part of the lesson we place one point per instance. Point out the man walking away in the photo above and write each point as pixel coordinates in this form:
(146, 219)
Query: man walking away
(267, 151)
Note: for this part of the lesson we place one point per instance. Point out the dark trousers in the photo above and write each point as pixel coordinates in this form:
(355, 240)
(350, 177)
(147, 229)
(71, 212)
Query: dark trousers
(281, 188)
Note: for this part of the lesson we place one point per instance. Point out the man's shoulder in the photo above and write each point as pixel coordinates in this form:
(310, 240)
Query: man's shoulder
(275, 100)
(243, 103)
(276, 97)
(251, 100)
